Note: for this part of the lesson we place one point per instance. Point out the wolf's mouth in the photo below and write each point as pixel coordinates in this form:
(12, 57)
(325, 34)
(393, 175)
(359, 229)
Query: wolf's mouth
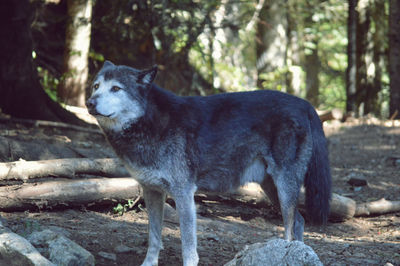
(109, 115)
(95, 113)
(98, 114)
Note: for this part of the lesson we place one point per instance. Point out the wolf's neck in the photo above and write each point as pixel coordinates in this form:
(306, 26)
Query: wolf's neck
(142, 140)
(138, 142)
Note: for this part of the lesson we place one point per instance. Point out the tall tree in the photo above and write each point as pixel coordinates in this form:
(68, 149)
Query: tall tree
(370, 39)
(312, 68)
(363, 42)
(272, 40)
(351, 57)
(376, 53)
(72, 88)
(143, 33)
(394, 57)
(312, 64)
(21, 93)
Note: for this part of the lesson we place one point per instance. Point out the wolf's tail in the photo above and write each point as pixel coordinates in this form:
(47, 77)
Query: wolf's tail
(318, 177)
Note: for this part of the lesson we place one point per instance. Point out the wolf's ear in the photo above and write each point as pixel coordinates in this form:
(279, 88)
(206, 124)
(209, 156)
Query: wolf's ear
(147, 76)
(108, 63)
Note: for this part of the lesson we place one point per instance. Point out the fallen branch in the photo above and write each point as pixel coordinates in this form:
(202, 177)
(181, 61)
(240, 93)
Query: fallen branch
(44, 123)
(378, 207)
(341, 207)
(24, 170)
(334, 114)
(51, 194)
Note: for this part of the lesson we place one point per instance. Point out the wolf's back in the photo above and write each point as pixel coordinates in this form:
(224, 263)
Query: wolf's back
(318, 179)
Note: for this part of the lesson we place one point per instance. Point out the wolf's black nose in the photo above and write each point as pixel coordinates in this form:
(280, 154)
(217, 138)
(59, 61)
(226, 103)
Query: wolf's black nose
(91, 103)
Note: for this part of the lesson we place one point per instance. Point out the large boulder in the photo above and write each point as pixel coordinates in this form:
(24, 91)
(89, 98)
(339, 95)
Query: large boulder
(16, 250)
(59, 249)
(276, 252)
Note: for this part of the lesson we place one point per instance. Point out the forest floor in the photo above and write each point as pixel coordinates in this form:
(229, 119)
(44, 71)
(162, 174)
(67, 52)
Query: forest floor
(361, 148)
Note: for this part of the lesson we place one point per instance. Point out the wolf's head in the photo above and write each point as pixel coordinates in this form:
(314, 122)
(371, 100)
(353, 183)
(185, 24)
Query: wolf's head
(118, 95)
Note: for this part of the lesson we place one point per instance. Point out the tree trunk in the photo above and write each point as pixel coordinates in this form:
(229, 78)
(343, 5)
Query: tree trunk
(394, 57)
(370, 39)
(72, 89)
(363, 59)
(351, 57)
(374, 73)
(21, 93)
(69, 168)
(63, 193)
(312, 81)
(271, 41)
(378, 207)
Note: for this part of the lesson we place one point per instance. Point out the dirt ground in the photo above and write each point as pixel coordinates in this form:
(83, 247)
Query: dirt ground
(363, 148)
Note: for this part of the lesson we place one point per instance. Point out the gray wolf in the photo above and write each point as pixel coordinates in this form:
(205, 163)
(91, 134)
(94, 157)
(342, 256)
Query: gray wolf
(177, 145)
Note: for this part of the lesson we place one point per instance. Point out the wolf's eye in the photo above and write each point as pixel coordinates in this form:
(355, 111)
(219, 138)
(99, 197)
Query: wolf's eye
(115, 88)
(96, 86)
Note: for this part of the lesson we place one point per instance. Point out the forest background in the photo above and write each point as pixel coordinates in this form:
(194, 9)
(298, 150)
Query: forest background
(336, 54)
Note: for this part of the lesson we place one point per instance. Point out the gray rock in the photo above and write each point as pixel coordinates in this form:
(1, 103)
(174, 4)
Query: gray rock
(211, 237)
(108, 256)
(276, 252)
(115, 226)
(60, 250)
(16, 250)
(123, 249)
(59, 230)
(360, 261)
(170, 214)
(139, 250)
(358, 181)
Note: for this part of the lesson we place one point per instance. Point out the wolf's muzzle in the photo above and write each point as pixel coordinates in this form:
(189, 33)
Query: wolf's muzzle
(91, 106)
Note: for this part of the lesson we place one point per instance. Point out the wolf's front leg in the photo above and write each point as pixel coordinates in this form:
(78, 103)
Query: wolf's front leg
(155, 208)
(187, 218)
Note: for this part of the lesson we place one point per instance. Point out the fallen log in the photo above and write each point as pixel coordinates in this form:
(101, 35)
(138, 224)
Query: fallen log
(378, 207)
(24, 170)
(67, 193)
(342, 208)
(334, 114)
(45, 123)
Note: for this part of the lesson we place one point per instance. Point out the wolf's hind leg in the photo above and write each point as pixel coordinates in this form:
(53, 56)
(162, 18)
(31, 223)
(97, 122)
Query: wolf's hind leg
(298, 226)
(288, 214)
(155, 208)
(270, 189)
(283, 192)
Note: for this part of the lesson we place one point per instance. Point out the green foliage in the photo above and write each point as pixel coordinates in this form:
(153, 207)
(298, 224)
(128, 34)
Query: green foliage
(98, 57)
(329, 26)
(120, 209)
(275, 79)
(219, 40)
(48, 82)
(233, 66)
(224, 53)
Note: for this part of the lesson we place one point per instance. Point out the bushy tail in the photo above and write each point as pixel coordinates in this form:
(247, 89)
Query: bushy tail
(318, 179)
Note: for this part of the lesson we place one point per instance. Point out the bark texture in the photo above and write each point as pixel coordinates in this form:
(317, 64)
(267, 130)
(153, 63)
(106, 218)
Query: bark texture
(21, 93)
(77, 43)
(394, 57)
